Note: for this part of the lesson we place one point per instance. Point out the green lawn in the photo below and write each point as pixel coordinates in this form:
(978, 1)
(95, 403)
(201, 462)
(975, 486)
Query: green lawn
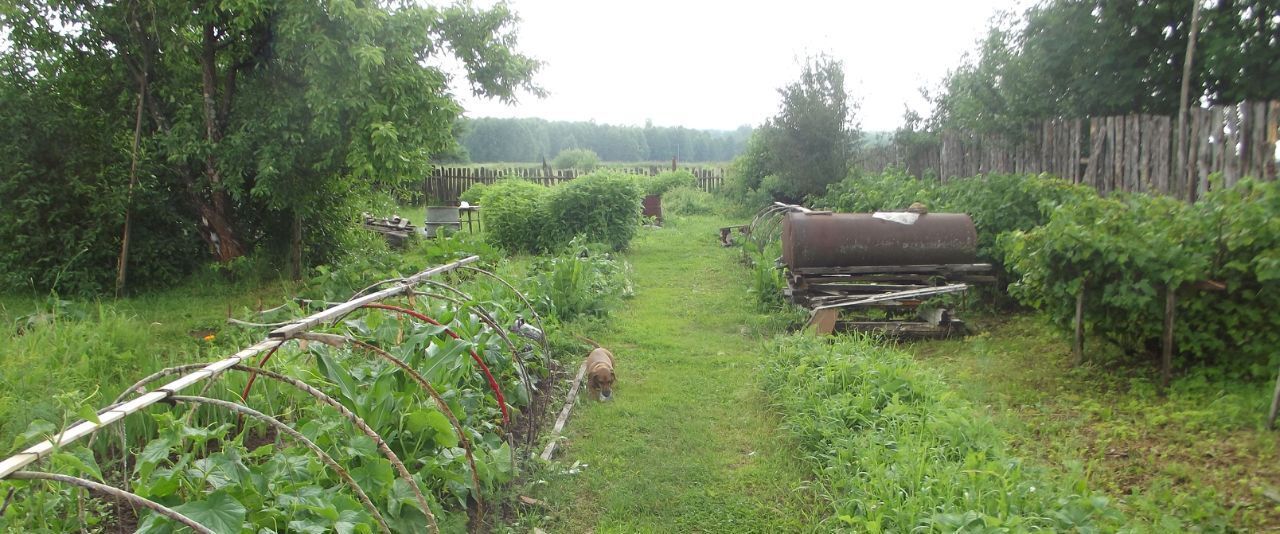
(688, 444)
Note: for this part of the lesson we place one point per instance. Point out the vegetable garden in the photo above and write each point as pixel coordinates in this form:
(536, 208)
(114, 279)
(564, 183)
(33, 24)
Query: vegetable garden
(397, 410)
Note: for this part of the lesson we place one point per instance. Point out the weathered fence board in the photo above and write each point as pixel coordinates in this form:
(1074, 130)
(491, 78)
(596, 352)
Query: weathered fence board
(1122, 153)
(445, 184)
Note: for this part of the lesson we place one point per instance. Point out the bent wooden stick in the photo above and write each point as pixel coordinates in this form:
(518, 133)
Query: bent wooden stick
(117, 412)
(564, 414)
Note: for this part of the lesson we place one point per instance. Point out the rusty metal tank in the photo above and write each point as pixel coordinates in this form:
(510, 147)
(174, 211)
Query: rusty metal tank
(819, 239)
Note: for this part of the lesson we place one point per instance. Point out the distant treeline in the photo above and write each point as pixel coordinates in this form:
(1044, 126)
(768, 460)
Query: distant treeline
(487, 140)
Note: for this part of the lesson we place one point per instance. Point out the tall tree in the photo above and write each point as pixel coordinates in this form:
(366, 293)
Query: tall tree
(267, 112)
(807, 145)
(1076, 58)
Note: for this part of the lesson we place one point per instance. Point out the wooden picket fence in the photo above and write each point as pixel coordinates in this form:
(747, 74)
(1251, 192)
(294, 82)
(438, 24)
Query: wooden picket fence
(1133, 153)
(445, 184)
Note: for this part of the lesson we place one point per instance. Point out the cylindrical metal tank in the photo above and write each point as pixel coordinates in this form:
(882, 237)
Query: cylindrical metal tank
(856, 239)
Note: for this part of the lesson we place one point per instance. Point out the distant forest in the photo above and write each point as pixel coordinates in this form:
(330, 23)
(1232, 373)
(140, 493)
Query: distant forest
(489, 140)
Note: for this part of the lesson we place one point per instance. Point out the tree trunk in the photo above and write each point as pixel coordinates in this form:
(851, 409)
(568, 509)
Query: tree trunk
(217, 231)
(215, 214)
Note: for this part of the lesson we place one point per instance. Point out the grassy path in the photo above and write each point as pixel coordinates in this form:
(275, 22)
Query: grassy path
(687, 444)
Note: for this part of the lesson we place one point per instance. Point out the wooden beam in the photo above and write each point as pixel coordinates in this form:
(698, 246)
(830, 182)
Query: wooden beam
(564, 412)
(895, 269)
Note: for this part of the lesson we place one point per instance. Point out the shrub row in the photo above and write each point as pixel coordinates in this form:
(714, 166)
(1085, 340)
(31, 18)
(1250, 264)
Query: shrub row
(893, 452)
(1128, 250)
(603, 207)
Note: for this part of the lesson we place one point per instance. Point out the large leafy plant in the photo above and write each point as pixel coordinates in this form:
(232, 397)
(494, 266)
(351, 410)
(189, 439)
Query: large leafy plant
(1220, 256)
(516, 218)
(603, 206)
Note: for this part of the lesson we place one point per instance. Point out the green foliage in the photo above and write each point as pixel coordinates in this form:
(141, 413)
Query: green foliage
(203, 464)
(1126, 251)
(576, 158)
(890, 190)
(474, 195)
(255, 115)
(894, 452)
(581, 281)
(64, 192)
(603, 206)
(1242, 225)
(807, 145)
(1049, 62)
(689, 201)
(767, 278)
(666, 181)
(516, 217)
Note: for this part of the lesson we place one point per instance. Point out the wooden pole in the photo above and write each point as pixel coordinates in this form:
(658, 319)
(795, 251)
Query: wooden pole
(1166, 349)
(1077, 345)
(122, 264)
(564, 413)
(1182, 163)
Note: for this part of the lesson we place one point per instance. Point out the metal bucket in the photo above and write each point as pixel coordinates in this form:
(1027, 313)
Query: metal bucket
(441, 217)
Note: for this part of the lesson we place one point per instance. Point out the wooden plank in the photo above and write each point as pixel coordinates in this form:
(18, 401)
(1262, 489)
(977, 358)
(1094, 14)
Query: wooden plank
(1146, 147)
(1133, 143)
(1246, 139)
(1162, 159)
(1094, 166)
(823, 321)
(1115, 145)
(1273, 131)
(896, 295)
(860, 287)
(1258, 141)
(895, 269)
(1077, 144)
(564, 412)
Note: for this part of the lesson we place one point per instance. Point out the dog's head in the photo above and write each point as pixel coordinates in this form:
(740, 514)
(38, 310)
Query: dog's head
(602, 379)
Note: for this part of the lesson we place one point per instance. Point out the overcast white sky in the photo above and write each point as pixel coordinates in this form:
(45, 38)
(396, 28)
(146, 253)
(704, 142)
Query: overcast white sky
(717, 64)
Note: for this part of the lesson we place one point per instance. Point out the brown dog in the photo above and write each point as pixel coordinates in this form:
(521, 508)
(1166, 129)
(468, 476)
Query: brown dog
(600, 370)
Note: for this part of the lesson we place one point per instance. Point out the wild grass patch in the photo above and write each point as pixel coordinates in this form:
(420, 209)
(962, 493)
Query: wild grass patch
(894, 450)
